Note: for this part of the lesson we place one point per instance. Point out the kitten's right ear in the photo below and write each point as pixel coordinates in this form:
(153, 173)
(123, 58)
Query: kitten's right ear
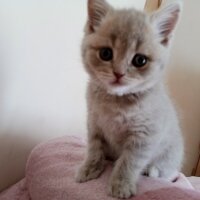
(97, 10)
(165, 21)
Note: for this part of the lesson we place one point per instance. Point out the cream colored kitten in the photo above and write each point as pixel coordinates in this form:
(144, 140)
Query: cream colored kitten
(131, 119)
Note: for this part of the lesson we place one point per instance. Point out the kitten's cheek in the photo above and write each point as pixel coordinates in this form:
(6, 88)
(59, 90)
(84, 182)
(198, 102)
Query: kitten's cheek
(103, 81)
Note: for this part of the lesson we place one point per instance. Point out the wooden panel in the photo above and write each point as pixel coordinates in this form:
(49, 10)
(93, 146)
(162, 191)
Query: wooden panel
(197, 170)
(152, 5)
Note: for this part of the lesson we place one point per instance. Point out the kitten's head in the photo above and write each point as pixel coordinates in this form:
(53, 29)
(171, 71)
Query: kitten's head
(125, 51)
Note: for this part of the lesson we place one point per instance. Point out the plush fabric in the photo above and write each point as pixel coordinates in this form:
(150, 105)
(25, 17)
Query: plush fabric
(50, 176)
(16, 192)
(195, 181)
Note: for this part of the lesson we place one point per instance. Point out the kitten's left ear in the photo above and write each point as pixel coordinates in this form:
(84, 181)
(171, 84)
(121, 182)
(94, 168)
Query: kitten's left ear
(165, 21)
(97, 10)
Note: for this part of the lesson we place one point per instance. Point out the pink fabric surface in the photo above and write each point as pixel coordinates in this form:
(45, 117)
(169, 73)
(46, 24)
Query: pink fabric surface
(16, 192)
(50, 176)
(195, 181)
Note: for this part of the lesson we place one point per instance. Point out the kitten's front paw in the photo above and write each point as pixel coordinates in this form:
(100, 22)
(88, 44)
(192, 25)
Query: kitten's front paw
(88, 172)
(120, 188)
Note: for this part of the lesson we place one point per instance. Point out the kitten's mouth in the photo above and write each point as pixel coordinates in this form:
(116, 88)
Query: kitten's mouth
(117, 82)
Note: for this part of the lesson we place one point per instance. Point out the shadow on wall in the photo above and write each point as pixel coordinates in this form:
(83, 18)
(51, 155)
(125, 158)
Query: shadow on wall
(14, 150)
(14, 143)
(19, 134)
(184, 84)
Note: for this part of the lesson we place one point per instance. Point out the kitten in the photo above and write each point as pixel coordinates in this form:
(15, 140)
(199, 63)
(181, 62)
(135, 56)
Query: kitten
(130, 117)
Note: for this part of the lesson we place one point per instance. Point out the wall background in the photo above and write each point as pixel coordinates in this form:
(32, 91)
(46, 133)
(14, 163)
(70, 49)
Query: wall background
(42, 82)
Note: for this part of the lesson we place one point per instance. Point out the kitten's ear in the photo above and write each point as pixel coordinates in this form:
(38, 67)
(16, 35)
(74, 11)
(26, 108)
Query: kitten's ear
(165, 21)
(97, 10)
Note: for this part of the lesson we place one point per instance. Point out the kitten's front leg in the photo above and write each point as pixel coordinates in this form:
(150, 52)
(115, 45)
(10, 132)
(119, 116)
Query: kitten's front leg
(134, 158)
(95, 162)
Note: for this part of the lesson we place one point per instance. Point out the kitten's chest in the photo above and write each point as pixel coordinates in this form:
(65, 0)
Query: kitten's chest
(115, 123)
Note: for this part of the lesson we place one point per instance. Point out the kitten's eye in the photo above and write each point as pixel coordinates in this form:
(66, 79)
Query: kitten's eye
(106, 54)
(139, 60)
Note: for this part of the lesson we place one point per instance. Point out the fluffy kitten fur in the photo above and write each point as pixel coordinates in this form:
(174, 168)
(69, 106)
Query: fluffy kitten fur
(132, 122)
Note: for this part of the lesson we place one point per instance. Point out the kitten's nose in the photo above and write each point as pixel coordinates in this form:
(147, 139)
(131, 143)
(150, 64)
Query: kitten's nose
(118, 75)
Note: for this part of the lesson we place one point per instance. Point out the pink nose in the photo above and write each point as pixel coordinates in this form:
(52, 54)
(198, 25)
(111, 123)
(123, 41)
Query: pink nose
(118, 75)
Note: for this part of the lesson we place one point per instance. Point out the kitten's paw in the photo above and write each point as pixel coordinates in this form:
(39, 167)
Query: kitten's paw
(167, 174)
(153, 172)
(88, 172)
(122, 189)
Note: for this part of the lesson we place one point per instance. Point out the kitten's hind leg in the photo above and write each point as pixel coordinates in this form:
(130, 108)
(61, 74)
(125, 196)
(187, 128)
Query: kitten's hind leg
(167, 165)
(94, 164)
(153, 172)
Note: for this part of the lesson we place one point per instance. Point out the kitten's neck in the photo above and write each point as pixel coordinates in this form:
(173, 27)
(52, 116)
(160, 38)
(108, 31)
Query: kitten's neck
(102, 94)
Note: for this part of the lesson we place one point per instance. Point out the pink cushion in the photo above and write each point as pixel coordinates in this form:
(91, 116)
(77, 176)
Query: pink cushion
(51, 168)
